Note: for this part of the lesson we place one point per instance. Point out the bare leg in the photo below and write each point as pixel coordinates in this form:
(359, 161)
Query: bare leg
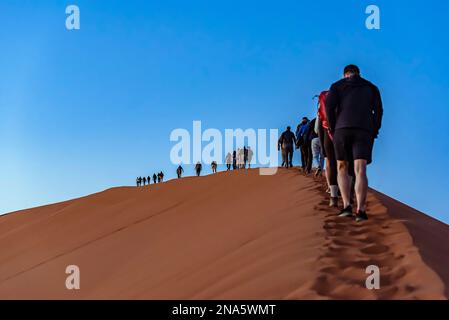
(361, 184)
(328, 172)
(344, 182)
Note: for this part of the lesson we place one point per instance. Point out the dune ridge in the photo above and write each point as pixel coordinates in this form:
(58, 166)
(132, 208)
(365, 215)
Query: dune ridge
(232, 235)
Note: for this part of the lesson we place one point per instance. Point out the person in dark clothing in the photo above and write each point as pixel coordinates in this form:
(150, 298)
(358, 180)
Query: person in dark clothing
(309, 135)
(144, 180)
(137, 182)
(245, 156)
(162, 176)
(154, 178)
(179, 171)
(159, 178)
(198, 168)
(354, 112)
(214, 166)
(286, 142)
(234, 160)
(304, 145)
(149, 179)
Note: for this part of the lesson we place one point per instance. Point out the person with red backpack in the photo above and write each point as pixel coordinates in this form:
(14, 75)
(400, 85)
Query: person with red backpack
(328, 150)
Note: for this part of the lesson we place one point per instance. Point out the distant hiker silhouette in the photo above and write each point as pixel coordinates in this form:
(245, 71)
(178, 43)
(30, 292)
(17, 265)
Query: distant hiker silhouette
(285, 143)
(228, 161)
(198, 168)
(154, 178)
(245, 156)
(149, 179)
(144, 180)
(179, 171)
(214, 167)
(137, 182)
(250, 154)
(161, 174)
(240, 158)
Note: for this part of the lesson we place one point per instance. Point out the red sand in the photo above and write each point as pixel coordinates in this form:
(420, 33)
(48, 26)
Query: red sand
(235, 235)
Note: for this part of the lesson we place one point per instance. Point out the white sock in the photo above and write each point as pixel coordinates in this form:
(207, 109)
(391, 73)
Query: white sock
(334, 191)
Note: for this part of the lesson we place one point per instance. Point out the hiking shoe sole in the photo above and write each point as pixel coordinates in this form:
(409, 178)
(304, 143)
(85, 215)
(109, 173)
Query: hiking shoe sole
(346, 214)
(361, 218)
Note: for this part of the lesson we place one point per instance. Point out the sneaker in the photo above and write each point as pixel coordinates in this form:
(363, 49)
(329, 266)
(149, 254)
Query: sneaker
(361, 216)
(333, 202)
(346, 212)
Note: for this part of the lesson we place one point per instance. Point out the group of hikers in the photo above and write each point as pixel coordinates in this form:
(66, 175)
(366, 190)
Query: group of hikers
(157, 178)
(340, 140)
(198, 168)
(239, 158)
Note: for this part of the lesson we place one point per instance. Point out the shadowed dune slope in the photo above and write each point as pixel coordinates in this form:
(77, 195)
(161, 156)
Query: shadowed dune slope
(232, 235)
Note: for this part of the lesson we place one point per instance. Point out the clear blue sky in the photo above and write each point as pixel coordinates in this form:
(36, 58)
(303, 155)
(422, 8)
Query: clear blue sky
(82, 111)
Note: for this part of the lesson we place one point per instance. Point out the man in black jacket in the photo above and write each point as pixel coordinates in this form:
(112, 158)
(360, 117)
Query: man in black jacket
(354, 112)
(286, 142)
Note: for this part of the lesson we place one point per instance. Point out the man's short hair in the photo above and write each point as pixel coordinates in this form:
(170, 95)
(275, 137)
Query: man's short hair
(288, 128)
(352, 69)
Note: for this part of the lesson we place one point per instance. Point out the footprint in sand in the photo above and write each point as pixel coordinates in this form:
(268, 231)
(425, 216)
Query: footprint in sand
(375, 249)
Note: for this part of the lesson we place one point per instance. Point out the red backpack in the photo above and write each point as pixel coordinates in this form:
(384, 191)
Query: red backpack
(322, 109)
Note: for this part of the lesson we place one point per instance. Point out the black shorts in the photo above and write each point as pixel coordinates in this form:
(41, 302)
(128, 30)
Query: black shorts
(352, 143)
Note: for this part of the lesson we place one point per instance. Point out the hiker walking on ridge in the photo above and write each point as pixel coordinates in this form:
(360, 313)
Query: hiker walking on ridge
(149, 179)
(304, 144)
(179, 171)
(198, 168)
(154, 178)
(162, 176)
(354, 112)
(144, 180)
(317, 152)
(214, 166)
(327, 147)
(137, 182)
(234, 160)
(250, 156)
(240, 158)
(245, 157)
(310, 136)
(228, 161)
(286, 143)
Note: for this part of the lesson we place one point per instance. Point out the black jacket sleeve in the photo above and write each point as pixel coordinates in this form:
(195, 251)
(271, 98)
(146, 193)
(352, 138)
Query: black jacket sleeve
(332, 101)
(378, 111)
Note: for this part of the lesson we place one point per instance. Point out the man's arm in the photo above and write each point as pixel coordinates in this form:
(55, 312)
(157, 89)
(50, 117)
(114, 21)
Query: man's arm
(332, 101)
(378, 111)
(280, 141)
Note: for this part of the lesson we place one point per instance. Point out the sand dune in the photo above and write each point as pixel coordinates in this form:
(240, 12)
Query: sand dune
(235, 235)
